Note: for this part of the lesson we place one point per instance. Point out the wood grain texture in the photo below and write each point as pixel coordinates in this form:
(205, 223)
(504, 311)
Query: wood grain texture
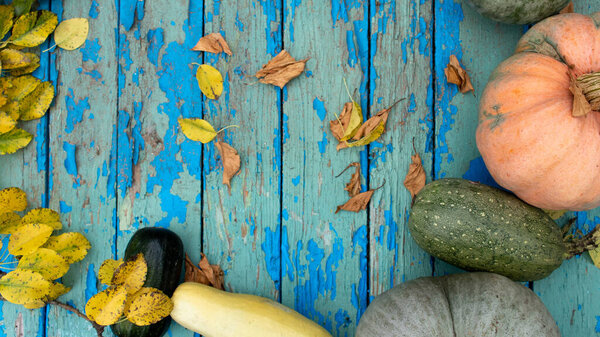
(324, 255)
(401, 55)
(82, 128)
(242, 227)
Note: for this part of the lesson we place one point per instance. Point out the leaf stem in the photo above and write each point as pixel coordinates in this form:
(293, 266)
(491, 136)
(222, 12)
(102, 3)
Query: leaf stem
(227, 127)
(46, 50)
(347, 90)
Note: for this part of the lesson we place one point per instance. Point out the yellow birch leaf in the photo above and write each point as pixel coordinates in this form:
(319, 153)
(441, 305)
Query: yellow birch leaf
(24, 286)
(12, 59)
(197, 129)
(7, 123)
(131, 274)
(71, 34)
(14, 140)
(32, 29)
(13, 199)
(37, 304)
(72, 246)
(210, 81)
(36, 104)
(46, 262)
(20, 87)
(7, 14)
(595, 255)
(43, 215)
(27, 70)
(355, 121)
(56, 290)
(9, 222)
(367, 139)
(22, 6)
(107, 270)
(106, 307)
(27, 238)
(148, 306)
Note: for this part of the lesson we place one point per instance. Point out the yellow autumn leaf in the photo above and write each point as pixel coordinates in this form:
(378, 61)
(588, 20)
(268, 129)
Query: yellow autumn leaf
(12, 59)
(367, 139)
(555, 215)
(7, 123)
(36, 104)
(46, 262)
(210, 81)
(32, 29)
(24, 286)
(16, 90)
(107, 270)
(13, 199)
(9, 222)
(71, 34)
(72, 246)
(106, 307)
(131, 274)
(356, 118)
(148, 306)
(197, 129)
(28, 69)
(56, 290)
(595, 255)
(43, 215)
(14, 140)
(7, 14)
(27, 238)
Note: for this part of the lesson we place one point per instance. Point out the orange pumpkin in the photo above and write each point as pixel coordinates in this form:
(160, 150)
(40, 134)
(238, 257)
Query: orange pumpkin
(539, 116)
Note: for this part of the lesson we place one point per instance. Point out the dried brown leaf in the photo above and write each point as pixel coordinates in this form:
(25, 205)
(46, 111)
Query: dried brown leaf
(231, 162)
(211, 275)
(581, 106)
(340, 125)
(353, 187)
(570, 8)
(457, 75)
(213, 43)
(416, 177)
(281, 69)
(359, 202)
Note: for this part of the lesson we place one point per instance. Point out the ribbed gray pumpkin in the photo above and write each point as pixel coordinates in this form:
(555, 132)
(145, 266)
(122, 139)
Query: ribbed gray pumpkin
(461, 305)
(518, 11)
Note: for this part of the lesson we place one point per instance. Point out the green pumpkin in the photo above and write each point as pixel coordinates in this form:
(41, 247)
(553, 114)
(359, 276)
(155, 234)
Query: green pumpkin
(465, 305)
(518, 11)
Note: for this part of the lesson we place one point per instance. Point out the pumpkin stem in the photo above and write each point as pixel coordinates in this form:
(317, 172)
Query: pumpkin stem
(579, 246)
(589, 84)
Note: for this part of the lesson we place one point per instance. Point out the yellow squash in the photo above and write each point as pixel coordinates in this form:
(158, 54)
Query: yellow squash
(215, 313)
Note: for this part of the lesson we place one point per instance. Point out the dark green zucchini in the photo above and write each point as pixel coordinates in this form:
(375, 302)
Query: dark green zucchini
(481, 228)
(164, 254)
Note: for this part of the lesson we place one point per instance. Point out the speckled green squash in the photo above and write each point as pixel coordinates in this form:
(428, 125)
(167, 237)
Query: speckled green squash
(477, 227)
(470, 304)
(518, 11)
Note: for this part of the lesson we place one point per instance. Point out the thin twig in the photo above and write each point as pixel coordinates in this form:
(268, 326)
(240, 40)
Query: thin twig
(99, 328)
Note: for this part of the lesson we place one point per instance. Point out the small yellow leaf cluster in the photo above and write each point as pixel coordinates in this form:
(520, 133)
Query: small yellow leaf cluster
(126, 295)
(22, 96)
(43, 258)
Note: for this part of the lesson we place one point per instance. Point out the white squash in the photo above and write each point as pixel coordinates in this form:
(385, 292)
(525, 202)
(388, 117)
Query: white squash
(215, 313)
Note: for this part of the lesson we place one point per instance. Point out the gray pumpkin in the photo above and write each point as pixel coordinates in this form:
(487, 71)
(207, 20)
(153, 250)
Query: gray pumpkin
(518, 11)
(461, 305)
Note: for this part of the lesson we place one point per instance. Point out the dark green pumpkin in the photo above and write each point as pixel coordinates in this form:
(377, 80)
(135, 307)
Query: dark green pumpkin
(164, 254)
(477, 227)
(518, 11)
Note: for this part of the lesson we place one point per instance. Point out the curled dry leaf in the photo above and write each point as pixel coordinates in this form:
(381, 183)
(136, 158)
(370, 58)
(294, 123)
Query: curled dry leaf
(213, 43)
(581, 106)
(370, 131)
(231, 162)
(359, 202)
(281, 69)
(13, 199)
(211, 275)
(348, 123)
(353, 187)
(570, 8)
(457, 75)
(416, 177)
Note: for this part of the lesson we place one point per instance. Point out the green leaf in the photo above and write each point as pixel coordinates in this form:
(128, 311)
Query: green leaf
(14, 140)
(36, 104)
(7, 14)
(71, 34)
(197, 129)
(32, 29)
(24, 286)
(22, 6)
(210, 81)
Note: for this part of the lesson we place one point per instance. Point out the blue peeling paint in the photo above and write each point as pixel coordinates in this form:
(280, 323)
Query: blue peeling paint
(70, 162)
(286, 261)
(128, 10)
(156, 39)
(64, 207)
(91, 284)
(2, 331)
(296, 181)
(360, 292)
(338, 11)
(597, 328)
(74, 110)
(271, 11)
(323, 144)
(319, 108)
(94, 10)
(427, 123)
(352, 56)
(294, 5)
(40, 145)
(111, 183)
(238, 23)
(89, 52)
(271, 247)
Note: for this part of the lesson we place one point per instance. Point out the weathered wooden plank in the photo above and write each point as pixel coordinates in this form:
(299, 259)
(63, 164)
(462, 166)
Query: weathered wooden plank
(242, 226)
(27, 170)
(83, 154)
(324, 255)
(401, 52)
(571, 292)
(159, 170)
(461, 31)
